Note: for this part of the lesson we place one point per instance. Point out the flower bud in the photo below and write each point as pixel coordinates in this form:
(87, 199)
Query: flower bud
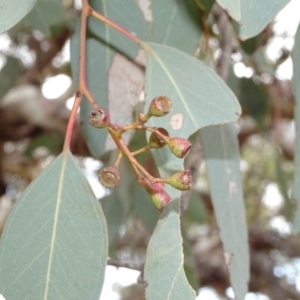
(151, 188)
(160, 199)
(99, 118)
(109, 177)
(179, 147)
(155, 141)
(181, 180)
(160, 106)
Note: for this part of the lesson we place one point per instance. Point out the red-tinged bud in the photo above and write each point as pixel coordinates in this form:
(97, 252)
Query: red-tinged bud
(160, 199)
(155, 141)
(109, 177)
(151, 188)
(99, 118)
(179, 147)
(160, 106)
(181, 180)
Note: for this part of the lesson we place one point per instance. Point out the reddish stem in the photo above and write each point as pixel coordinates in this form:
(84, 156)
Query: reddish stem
(112, 24)
(72, 119)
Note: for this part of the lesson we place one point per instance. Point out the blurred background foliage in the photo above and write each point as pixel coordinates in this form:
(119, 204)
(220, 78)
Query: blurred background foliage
(35, 98)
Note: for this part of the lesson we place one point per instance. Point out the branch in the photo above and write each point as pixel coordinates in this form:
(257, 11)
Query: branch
(128, 265)
(224, 28)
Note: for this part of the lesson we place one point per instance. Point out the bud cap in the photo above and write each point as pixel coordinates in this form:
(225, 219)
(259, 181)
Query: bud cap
(180, 147)
(161, 199)
(181, 180)
(155, 141)
(160, 106)
(109, 177)
(99, 118)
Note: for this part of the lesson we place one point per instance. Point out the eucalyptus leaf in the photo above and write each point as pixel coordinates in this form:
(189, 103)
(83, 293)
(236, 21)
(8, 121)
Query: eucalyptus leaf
(45, 14)
(9, 74)
(296, 85)
(256, 14)
(199, 97)
(12, 11)
(233, 7)
(164, 271)
(115, 66)
(54, 245)
(113, 214)
(222, 160)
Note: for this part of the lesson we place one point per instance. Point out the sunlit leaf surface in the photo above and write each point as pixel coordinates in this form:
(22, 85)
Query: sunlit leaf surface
(54, 245)
(222, 160)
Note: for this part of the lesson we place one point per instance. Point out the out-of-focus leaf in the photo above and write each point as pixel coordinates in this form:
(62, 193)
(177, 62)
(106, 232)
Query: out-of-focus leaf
(256, 14)
(283, 187)
(296, 84)
(205, 5)
(253, 98)
(45, 14)
(52, 142)
(54, 244)
(164, 271)
(233, 7)
(113, 214)
(145, 208)
(12, 11)
(222, 159)
(114, 79)
(189, 262)
(250, 45)
(196, 211)
(9, 74)
(199, 97)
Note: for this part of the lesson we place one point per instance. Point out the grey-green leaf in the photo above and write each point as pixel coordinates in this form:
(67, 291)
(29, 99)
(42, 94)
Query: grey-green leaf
(256, 14)
(233, 7)
(54, 244)
(9, 74)
(45, 14)
(164, 271)
(115, 67)
(221, 154)
(199, 97)
(296, 85)
(12, 11)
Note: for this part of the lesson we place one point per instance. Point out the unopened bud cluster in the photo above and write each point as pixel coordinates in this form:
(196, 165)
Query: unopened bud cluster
(159, 137)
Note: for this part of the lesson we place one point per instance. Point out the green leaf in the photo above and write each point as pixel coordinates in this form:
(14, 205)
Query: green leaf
(12, 11)
(114, 72)
(221, 154)
(196, 211)
(45, 14)
(54, 244)
(296, 85)
(164, 271)
(233, 7)
(145, 208)
(53, 142)
(176, 23)
(256, 14)
(9, 74)
(113, 214)
(254, 99)
(199, 97)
